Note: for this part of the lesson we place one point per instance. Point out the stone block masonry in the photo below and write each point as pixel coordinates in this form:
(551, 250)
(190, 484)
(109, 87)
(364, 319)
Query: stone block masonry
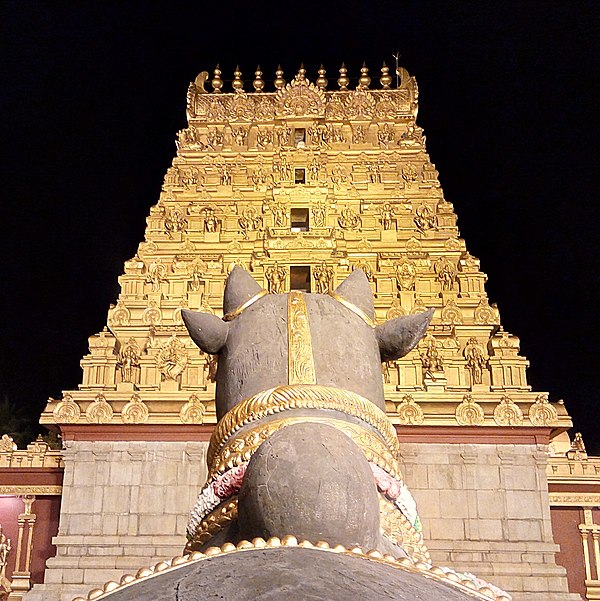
(485, 509)
(124, 506)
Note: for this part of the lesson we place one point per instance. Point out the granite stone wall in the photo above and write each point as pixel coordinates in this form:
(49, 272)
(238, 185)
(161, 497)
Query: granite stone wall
(484, 509)
(125, 505)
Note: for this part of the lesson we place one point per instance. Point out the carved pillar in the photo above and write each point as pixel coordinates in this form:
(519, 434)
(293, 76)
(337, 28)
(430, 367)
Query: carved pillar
(21, 577)
(591, 554)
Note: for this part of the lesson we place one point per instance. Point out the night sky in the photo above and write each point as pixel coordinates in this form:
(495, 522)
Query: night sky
(93, 94)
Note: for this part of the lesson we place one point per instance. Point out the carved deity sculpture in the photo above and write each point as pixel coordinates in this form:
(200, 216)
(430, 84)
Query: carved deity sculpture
(249, 221)
(578, 443)
(157, 273)
(323, 275)
(211, 223)
(475, 357)
(358, 134)
(374, 171)
(406, 274)
(425, 218)
(129, 361)
(387, 213)
(338, 175)
(446, 273)
(225, 175)
(431, 359)
(5, 548)
(314, 170)
(319, 212)
(175, 221)
(196, 271)
(385, 135)
(348, 219)
(279, 210)
(239, 135)
(172, 359)
(275, 275)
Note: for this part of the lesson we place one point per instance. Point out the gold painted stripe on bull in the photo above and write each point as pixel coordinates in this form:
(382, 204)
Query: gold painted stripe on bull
(301, 364)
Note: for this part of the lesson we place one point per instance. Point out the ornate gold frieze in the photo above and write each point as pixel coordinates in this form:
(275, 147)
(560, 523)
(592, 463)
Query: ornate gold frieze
(37, 454)
(575, 499)
(213, 523)
(301, 364)
(26, 489)
(284, 398)
(400, 531)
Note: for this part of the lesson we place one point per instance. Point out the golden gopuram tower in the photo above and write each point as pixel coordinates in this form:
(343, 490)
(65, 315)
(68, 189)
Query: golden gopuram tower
(301, 182)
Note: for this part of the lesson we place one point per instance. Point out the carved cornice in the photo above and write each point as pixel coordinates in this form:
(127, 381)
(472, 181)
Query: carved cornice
(38, 454)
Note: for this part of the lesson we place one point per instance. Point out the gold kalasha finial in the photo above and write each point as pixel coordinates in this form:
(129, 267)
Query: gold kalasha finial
(258, 82)
(343, 80)
(279, 81)
(237, 84)
(301, 73)
(217, 82)
(322, 80)
(364, 79)
(386, 79)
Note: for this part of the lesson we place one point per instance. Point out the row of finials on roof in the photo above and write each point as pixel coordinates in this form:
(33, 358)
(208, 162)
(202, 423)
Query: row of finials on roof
(364, 81)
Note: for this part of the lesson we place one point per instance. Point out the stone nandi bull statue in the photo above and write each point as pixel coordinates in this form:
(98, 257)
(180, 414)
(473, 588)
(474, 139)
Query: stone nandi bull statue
(304, 498)
(302, 434)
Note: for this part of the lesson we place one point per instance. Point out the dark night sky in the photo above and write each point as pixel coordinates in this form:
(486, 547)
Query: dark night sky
(93, 94)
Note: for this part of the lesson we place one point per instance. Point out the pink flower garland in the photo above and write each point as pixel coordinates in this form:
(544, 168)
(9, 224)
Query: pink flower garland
(385, 483)
(229, 483)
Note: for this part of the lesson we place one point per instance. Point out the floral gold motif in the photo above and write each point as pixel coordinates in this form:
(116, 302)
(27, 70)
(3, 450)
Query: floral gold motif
(301, 366)
(508, 413)
(193, 411)
(469, 413)
(283, 398)
(135, 411)
(99, 411)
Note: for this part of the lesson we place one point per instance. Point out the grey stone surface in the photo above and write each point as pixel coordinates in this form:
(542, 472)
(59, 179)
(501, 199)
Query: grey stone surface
(208, 331)
(357, 290)
(312, 481)
(347, 352)
(399, 336)
(239, 288)
(289, 574)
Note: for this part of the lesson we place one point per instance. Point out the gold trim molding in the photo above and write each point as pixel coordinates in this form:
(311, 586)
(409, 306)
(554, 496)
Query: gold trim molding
(575, 499)
(302, 396)
(17, 489)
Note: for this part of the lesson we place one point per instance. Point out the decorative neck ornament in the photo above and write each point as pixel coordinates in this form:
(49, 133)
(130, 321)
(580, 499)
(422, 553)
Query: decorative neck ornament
(233, 314)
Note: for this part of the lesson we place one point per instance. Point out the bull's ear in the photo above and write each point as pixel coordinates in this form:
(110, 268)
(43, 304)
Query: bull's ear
(239, 288)
(399, 336)
(208, 331)
(357, 290)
